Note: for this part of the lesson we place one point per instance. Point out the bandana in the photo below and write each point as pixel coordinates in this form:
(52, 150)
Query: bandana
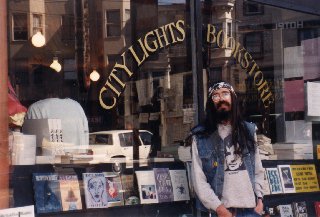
(220, 85)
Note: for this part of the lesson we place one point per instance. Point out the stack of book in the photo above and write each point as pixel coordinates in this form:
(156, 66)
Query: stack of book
(265, 148)
(293, 151)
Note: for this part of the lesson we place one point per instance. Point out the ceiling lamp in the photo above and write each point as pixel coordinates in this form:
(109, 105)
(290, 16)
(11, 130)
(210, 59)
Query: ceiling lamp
(55, 64)
(94, 75)
(38, 40)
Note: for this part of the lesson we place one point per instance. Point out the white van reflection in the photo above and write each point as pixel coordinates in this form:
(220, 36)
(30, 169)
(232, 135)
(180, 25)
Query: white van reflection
(119, 143)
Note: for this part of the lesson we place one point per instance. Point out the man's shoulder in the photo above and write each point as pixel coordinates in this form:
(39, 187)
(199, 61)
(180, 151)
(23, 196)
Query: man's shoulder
(198, 130)
(249, 125)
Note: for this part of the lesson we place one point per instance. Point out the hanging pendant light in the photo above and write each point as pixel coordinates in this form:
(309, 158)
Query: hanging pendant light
(38, 40)
(94, 75)
(55, 65)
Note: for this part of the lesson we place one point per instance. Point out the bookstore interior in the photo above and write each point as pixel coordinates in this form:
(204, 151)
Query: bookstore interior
(102, 95)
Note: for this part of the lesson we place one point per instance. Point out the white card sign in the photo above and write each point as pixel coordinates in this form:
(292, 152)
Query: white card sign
(313, 95)
(25, 211)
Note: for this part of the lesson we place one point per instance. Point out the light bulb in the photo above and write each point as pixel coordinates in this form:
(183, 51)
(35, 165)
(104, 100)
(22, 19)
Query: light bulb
(55, 65)
(94, 75)
(38, 40)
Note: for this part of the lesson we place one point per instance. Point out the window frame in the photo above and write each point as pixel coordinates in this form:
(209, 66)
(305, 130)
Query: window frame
(24, 29)
(246, 11)
(112, 24)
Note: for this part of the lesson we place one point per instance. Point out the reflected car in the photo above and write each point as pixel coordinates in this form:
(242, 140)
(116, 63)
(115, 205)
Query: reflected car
(119, 143)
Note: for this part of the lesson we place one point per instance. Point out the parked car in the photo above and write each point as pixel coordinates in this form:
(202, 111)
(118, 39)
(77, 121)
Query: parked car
(119, 143)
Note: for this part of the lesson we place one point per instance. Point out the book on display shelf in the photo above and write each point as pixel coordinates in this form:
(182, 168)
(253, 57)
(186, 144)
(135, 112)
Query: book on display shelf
(286, 179)
(70, 192)
(114, 190)
(180, 185)
(285, 210)
(95, 190)
(163, 184)
(147, 187)
(47, 192)
(300, 209)
(317, 208)
(274, 180)
(129, 195)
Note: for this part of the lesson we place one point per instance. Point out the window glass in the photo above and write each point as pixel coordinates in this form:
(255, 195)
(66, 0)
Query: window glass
(126, 139)
(113, 27)
(146, 138)
(37, 23)
(105, 139)
(20, 27)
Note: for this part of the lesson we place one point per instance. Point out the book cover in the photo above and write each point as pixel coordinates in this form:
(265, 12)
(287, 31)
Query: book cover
(317, 208)
(70, 192)
(163, 184)
(114, 190)
(266, 186)
(128, 190)
(286, 179)
(300, 209)
(95, 190)
(274, 180)
(47, 192)
(147, 187)
(179, 185)
(285, 210)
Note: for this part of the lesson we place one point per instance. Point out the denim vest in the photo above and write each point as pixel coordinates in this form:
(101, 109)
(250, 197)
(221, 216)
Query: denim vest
(212, 155)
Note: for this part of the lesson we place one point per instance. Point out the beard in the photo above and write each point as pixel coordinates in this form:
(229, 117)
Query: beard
(223, 114)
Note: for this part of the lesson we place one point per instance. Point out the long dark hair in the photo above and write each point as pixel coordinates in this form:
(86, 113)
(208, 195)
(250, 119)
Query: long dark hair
(240, 133)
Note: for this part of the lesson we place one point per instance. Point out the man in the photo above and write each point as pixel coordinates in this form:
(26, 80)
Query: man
(226, 168)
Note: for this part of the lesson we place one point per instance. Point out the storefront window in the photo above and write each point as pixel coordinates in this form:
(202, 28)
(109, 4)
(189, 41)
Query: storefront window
(109, 98)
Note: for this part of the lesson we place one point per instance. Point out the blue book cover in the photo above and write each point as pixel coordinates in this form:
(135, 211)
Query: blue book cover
(47, 192)
(163, 184)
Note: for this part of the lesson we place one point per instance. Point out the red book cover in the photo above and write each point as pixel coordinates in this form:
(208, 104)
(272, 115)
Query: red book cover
(317, 208)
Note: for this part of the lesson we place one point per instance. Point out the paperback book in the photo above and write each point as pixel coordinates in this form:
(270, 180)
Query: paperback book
(129, 195)
(95, 190)
(286, 178)
(147, 187)
(180, 185)
(300, 209)
(285, 210)
(70, 192)
(163, 184)
(317, 208)
(266, 187)
(274, 180)
(47, 192)
(114, 190)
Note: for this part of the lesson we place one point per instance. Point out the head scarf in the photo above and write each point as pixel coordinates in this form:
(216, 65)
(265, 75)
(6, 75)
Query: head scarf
(220, 85)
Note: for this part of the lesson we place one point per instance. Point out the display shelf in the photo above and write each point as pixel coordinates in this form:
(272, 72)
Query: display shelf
(22, 193)
(274, 200)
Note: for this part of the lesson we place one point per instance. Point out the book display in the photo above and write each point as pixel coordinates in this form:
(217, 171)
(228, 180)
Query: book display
(285, 210)
(70, 192)
(147, 187)
(180, 185)
(47, 192)
(95, 190)
(286, 178)
(163, 184)
(274, 180)
(114, 190)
